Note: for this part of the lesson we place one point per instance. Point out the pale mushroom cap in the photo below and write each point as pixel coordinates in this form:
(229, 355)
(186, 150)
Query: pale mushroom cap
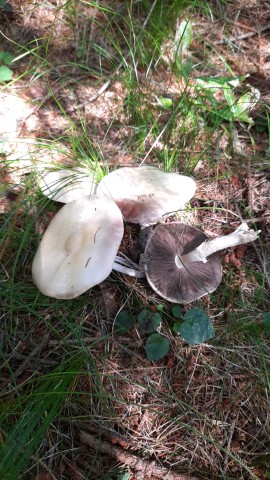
(144, 194)
(78, 248)
(68, 185)
(179, 285)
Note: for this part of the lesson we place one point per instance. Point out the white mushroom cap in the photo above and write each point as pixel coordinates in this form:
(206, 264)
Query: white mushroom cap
(68, 185)
(78, 248)
(144, 194)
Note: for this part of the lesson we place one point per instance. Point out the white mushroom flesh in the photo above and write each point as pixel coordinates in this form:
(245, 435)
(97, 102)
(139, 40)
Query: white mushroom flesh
(145, 194)
(243, 234)
(123, 264)
(78, 248)
(68, 185)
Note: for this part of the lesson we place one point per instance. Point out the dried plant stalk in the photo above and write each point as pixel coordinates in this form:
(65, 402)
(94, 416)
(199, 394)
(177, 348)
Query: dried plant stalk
(143, 467)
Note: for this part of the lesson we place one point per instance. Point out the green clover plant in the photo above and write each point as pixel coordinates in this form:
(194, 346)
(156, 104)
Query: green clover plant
(6, 73)
(194, 326)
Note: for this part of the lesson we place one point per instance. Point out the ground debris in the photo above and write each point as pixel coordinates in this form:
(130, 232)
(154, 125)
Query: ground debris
(143, 468)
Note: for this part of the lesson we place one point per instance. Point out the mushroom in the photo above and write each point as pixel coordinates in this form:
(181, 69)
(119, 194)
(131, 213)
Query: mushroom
(182, 265)
(79, 247)
(145, 194)
(68, 185)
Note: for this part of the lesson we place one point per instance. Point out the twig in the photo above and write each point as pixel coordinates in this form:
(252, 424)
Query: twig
(93, 98)
(109, 434)
(231, 432)
(141, 466)
(75, 342)
(244, 35)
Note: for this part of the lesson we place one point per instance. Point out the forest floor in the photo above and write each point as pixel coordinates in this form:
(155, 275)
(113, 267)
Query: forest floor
(79, 401)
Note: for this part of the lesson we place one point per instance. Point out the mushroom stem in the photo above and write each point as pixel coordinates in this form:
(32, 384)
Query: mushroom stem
(125, 265)
(240, 236)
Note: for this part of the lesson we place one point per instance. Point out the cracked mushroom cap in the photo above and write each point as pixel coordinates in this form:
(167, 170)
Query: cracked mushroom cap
(144, 194)
(78, 248)
(171, 280)
(68, 185)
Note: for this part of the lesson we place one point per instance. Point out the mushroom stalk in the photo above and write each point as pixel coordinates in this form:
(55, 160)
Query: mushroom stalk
(125, 265)
(240, 236)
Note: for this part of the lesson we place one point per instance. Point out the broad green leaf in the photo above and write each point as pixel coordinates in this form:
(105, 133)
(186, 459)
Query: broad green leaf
(124, 476)
(160, 307)
(184, 68)
(219, 82)
(223, 114)
(6, 58)
(177, 311)
(124, 322)
(243, 117)
(241, 114)
(157, 346)
(197, 327)
(249, 100)
(165, 103)
(230, 98)
(208, 95)
(266, 321)
(183, 37)
(5, 73)
(177, 327)
(246, 103)
(148, 322)
(6, 6)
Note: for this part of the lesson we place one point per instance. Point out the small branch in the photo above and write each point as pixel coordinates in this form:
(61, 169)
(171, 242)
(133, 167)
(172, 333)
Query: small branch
(243, 36)
(75, 342)
(231, 432)
(241, 235)
(92, 99)
(144, 467)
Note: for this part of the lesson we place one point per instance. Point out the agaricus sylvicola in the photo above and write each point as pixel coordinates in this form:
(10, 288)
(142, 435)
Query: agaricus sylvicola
(68, 185)
(182, 265)
(145, 194)
(79, 247)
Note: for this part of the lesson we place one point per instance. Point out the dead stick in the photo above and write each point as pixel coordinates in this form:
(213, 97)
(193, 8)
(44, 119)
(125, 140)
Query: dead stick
(147, 467)
(244, 36)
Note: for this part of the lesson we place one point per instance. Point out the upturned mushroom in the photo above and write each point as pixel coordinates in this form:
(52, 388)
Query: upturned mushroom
(79, 247)
(145, 194)
(182, 265)
(68, 185)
